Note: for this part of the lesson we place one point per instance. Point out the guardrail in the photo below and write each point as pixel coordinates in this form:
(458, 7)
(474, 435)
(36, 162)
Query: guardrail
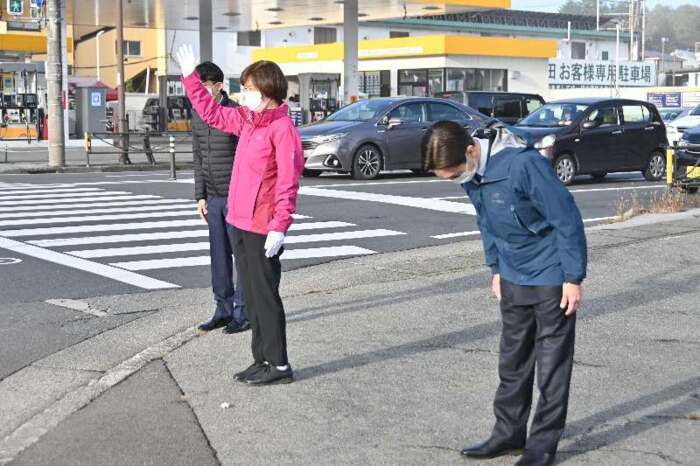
(147, 148)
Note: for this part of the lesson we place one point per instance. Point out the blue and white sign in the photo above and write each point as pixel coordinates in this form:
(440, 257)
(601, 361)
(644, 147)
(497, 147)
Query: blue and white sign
(665, 99)
(96, 99)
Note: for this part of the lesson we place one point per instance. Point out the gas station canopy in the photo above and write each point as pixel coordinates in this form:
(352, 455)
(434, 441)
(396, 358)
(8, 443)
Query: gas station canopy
(243, 15)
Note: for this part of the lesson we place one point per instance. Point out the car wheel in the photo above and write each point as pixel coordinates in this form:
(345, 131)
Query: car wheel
(367, 163)
(656, 167)
(599, 175)
(565, 166)
(312, 173)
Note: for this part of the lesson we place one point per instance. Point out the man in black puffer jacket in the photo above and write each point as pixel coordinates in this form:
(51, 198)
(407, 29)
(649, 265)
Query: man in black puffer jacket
(213, 152)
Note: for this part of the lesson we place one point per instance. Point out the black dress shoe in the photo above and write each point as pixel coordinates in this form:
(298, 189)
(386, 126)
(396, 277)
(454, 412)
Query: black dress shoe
(270, 375)
(493, 448)
(237, 327)
(536, 458)
(213, 324)
(250, 370)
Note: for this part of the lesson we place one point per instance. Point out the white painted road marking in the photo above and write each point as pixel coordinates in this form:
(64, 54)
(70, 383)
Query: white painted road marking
(94, 228)
(38, 202)
(189, 212)
(312, 253)
(43, 191)
(62, 195)
(115, 210)
(102, 270)
(477, 232)
(405, 201)
(82, 205)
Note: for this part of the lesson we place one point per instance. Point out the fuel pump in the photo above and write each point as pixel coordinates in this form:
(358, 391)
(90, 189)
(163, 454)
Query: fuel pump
(19, 103)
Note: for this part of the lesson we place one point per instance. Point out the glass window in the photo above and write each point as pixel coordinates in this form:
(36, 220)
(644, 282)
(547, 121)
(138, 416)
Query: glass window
(436, 79)
(635, 114)
(409, 113)
(554, 115)
(397, 34)
(325, 35)
(234, 85)
(578, 50)
(531, 104)
(506, 107)
(364, 110)
(481, 102)
(132, 48)
(498, 80)
(440, 112)
(413, 82)
(606, 116)
(605, 55)
(695, 111)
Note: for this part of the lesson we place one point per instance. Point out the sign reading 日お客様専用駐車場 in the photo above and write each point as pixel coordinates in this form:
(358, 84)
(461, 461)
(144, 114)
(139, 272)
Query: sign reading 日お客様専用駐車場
(601, 73)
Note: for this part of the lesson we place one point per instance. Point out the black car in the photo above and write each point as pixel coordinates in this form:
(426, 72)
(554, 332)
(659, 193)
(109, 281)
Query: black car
(688, 156)
(509, 107)
(596, 136)
(372, 135)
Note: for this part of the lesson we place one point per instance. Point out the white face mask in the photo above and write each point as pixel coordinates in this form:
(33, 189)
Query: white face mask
(251, 99)
(465, 177)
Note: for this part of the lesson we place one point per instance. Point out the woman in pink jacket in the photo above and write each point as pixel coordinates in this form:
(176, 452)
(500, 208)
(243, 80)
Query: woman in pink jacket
(261, 199)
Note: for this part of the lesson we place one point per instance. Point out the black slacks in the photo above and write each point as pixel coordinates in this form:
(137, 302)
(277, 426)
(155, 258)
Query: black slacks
(260, 277)
(536, 336)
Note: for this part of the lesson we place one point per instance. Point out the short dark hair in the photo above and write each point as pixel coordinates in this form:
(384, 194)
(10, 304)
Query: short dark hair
(208, 71)
(268, 78)
(445, 145)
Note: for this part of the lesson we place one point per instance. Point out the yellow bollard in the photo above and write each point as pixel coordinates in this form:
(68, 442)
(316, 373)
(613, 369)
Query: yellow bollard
(87, 145)
(669, 166)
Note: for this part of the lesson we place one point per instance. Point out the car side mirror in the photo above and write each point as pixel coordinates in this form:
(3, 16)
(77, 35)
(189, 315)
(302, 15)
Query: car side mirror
(590, 124)
(482, 133)
(393, 122)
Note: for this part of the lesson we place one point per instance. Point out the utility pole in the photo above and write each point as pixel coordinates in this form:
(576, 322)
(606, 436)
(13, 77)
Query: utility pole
(123, 124)
(55, 85)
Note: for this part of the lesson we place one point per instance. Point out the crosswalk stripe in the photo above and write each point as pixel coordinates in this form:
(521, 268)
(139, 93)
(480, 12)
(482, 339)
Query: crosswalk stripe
(99, 218)
(142, 226)
(312, 253)
(43, 191)
(37, 202)
(103, 270)
(63, 195)
(21, 209)
(165, 235)
(117, 210)
(94, 228)
(204, 245)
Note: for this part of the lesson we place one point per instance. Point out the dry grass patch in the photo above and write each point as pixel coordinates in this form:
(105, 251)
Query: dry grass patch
(663, 202)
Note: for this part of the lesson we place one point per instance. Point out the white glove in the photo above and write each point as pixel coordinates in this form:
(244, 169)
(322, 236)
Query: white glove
(185, 59)
(273, 243)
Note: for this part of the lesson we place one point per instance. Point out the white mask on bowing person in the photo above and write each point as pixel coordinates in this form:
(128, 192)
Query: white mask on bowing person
(251, 99)
(476, 161)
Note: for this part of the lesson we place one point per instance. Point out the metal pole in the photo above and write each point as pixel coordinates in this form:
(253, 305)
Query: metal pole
(663, 60)
(97, 55)
(597, 15)
(54, 85)
(617, 59)
(173, 174)
(205, 31)
(351, 82)
(123, 124)
(633, 17)
(644, 30)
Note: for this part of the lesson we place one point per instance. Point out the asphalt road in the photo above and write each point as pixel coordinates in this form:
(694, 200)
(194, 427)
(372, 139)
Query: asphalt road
(85, 235)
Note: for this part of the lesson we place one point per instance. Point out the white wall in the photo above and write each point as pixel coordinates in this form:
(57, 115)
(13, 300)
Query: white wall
(594, 49)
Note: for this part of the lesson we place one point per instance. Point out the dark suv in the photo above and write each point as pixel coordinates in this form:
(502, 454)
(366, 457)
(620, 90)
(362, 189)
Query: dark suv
(509, 107)
(688, 159)
(596, 136)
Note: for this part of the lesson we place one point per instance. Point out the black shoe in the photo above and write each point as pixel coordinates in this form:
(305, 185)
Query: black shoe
(536, 458)
(270, 375)
(213, 324)
(236, 327)
(493, 448)
(252, 369)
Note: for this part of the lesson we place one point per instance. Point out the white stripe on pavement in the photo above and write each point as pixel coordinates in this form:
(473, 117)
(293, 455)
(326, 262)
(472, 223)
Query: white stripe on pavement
(203, 246)
(313, 253)
(319, 225)
(117, 210)
(405, 201)
(103, 270)
(477, 232)
(37, 202)
(93, 228)
(82, 205)
(62, 195)
(189, 212)
(622, 188)
(44, 191)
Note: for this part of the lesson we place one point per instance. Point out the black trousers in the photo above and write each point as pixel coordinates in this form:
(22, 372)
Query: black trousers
(260, 277)
(536, 336)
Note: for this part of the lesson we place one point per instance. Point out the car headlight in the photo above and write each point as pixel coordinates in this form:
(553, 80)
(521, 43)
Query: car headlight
(326, 138)
(671, 129)
(545, 146)
(683, 143)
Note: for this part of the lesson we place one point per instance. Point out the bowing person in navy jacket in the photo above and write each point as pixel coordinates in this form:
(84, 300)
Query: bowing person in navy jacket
(535, 245)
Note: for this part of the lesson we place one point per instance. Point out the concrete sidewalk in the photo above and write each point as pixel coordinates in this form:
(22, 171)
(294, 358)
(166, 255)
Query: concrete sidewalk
(395, 358)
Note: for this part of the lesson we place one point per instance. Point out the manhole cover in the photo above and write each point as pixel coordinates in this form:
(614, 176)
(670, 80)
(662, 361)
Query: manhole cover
(9, 260)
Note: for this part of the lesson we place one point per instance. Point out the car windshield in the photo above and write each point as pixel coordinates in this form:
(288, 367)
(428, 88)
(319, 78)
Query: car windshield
(364, 110)
(553, 115)
(695, 111)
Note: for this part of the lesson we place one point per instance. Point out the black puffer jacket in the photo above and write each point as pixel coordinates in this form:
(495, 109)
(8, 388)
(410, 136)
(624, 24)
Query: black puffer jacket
(212, 151)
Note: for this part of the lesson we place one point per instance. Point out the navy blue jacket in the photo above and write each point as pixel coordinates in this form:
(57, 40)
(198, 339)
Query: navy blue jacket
(531, 227)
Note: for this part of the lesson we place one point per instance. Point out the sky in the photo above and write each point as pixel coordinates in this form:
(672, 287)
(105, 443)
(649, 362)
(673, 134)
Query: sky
(553, 5)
